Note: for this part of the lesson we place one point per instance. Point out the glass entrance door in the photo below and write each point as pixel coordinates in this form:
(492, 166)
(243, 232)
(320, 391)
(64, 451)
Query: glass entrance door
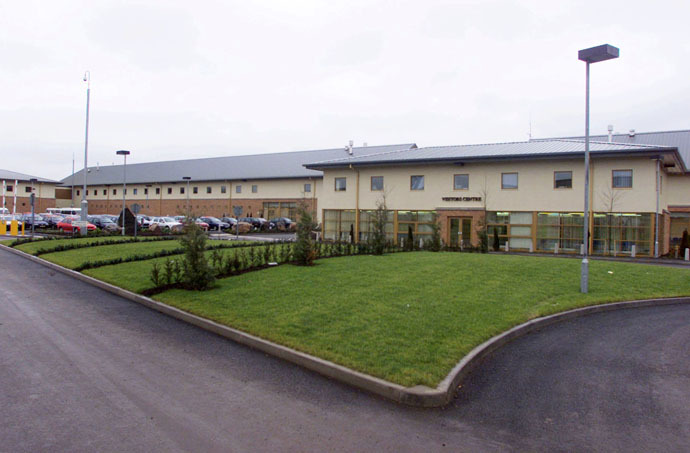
(460, 231)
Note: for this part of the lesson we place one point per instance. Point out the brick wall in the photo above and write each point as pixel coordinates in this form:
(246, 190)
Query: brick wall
(209, 207)
(24, 204)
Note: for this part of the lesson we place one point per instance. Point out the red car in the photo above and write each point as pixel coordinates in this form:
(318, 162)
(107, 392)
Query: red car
(66, 225)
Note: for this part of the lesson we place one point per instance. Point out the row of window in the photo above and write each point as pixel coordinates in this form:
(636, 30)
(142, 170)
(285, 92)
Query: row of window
(621, 179)
(195, 189)
(10, 188)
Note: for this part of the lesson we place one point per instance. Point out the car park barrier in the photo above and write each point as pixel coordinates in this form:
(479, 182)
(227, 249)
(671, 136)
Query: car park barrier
(14, 228)
(3, 227)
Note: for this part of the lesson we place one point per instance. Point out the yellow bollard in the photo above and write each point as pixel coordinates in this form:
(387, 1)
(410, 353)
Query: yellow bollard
(14, 228)
(3, 227)
(22, 228)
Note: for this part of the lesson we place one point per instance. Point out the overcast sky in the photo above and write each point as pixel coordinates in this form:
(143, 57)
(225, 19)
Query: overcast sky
(181, 79)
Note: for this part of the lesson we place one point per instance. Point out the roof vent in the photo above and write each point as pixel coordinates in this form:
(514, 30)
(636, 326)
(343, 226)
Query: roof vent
(364, 144)
(631, 133)
(348, 148)
(610, 133)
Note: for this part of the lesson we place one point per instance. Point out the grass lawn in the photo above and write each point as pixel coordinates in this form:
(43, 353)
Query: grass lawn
(136, 275)
(73, 258)
(410, 317)
(33, 247)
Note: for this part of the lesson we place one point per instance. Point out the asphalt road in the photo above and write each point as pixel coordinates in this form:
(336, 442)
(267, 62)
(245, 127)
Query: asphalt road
(83, 370)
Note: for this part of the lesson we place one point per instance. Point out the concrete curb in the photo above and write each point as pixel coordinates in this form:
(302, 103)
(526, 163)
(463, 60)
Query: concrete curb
(415, 396)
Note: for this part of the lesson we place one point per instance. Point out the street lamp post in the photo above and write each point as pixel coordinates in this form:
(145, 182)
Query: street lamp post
(33, 205)
(591, 55)
(124, 153)
(187, 178)
(84, 202)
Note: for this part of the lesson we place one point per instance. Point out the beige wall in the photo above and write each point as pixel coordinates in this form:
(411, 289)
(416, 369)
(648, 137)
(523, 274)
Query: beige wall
(535, 186)
(676, 190)
(45, 196)
(266, 189)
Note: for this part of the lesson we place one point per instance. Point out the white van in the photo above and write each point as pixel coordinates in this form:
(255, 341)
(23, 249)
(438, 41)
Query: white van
(4, 211)
(64, 211)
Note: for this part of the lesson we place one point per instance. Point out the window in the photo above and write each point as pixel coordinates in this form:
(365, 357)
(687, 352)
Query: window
(509, 180)
(512, 227)
(340, 184)
(169, 190)
(125, 191)
(87, 191)
(114, 192)
(417, 182)
(208, 189)
(238, 189)
(105, 191)
(223, 189)
(134, 191)
(562, 179)
(158, 190)
(307, 187)
(461, 182)
(9, 189)
(181, 190)
(255, 188)
(622, 179)
(376, 183)
(146, 191)
(195, 189)
(27, 189)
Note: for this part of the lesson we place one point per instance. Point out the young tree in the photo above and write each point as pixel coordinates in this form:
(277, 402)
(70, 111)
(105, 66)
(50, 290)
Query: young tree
(409, 242)
(377, 237)
(435, 242)
(198, 275)
(610, 198)
(304, 252)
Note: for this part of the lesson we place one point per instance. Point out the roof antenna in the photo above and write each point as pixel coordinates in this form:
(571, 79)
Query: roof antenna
(610, 133)
(348, 148)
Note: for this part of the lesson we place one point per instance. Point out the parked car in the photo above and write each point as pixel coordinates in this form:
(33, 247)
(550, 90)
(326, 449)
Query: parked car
(9, 218)
(67, 225)
(143, 221)
(104, 223)
(51, 219)
(38, 221)
(215, 223)
(229, 220)
(203, 225)
(281, 223)
(258, 223)
(166, 224)
(113, 218)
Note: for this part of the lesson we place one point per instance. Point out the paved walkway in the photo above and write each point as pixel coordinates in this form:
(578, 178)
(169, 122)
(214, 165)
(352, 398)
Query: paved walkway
(85, 370)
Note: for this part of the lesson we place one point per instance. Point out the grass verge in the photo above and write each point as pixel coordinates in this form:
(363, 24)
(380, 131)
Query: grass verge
(34, 246)
(76, 257)
(135, 276)
(410, 317)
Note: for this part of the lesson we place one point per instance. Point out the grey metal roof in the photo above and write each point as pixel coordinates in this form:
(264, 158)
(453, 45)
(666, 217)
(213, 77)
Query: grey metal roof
(255, 166)
(493, 151)
(678, 139)
(13, 175)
